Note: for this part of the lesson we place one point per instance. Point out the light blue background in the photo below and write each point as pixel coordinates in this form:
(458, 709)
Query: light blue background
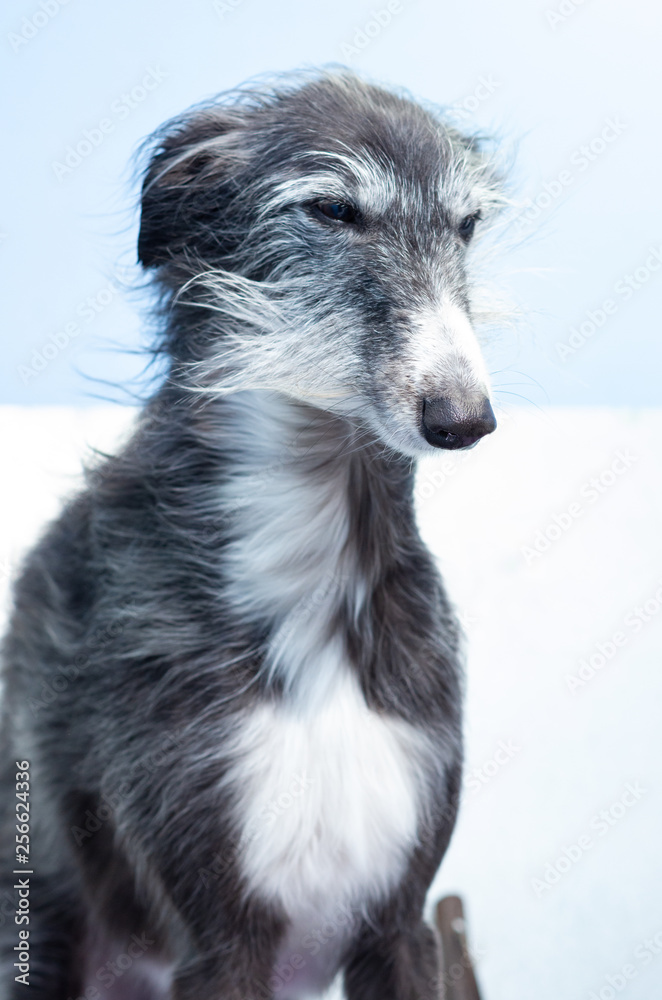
(554, 86)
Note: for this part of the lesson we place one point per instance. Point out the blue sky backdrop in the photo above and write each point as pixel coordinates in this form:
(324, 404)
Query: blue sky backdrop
(571, 88)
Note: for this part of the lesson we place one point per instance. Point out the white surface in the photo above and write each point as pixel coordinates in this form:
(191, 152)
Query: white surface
(530, 622)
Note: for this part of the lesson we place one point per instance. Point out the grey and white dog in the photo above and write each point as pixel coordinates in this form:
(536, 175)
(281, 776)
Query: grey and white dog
(232, 668)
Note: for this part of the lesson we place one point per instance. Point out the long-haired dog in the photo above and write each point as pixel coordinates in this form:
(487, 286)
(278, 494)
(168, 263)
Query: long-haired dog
(232, 678)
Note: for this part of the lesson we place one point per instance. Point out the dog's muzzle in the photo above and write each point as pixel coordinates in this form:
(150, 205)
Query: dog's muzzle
(451, 422)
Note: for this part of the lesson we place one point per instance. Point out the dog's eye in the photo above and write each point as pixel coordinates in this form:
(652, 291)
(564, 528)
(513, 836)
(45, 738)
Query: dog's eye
(337, 211)
(467, 226)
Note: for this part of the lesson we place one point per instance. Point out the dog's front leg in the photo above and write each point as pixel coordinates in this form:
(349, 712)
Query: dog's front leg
(221, 940)
(233, 945)
(234, 972)
(399, 966)
(232, 958)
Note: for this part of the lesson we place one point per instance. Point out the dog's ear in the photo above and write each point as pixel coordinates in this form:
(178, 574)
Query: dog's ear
(191, 177)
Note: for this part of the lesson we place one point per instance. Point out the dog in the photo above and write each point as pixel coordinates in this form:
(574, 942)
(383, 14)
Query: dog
(233, 679)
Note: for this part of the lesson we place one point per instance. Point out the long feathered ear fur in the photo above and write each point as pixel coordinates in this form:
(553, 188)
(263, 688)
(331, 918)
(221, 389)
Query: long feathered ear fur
(192, 176)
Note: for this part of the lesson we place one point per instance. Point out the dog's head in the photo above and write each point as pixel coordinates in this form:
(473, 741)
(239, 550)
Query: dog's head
(321, 230)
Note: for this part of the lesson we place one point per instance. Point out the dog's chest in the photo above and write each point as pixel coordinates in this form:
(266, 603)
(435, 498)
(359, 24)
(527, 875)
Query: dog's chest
(328, 792)
(329, 797)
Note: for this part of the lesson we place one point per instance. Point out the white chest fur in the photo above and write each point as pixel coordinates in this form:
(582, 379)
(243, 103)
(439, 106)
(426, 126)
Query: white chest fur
(329, 798)
(328, 793)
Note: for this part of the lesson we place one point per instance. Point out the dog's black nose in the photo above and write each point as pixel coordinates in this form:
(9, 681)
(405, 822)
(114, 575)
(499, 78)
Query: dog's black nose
(454, 422)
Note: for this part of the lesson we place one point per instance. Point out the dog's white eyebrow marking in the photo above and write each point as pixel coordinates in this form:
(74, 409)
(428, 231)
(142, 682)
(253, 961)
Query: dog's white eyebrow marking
(465, 186)
(371, 186)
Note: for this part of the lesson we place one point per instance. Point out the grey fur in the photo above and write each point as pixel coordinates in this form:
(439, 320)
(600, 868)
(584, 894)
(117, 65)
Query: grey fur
(125, 662)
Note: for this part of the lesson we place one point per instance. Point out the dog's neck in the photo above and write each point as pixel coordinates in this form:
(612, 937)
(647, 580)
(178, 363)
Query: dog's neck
(316, 510)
